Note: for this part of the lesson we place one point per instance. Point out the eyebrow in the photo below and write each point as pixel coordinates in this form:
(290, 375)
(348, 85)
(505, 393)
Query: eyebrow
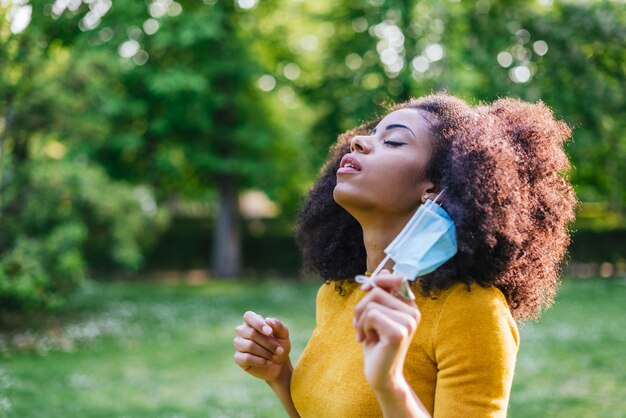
(397, 125)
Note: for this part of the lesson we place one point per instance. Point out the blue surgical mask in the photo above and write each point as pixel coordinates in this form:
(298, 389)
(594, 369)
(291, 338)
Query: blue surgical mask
(426, 242)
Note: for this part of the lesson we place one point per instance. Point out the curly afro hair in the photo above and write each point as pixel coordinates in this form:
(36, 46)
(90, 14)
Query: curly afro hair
(504, 171)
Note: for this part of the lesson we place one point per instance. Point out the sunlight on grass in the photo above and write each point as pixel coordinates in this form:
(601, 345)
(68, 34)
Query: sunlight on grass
(165, 350)
(571, 362)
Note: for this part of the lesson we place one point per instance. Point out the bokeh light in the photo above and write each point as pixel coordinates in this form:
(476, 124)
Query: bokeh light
(434, 52)
(97, 9)
(354, 61)
(372, 81)
(19, 16)
(420, 64)
(106, 34)
(287, 96)
(160, 8)
(390, 46)
(483, 6)
(247, 4)
(151, 26)
(267, 82)
(540, 47)
(128, 48)
(140, 58)
(309, 43)
(359, 24)
(520, 53)
(292, 71)
(505, 59)
(520, 74)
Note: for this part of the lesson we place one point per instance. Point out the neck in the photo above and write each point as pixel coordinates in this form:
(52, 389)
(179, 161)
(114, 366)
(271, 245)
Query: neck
(377, 235)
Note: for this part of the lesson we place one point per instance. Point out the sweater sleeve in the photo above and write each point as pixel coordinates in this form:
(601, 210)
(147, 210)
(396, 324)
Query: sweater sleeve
(475, 344)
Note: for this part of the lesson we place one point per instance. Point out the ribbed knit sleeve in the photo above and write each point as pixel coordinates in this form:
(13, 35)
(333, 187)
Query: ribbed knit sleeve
(475, 342)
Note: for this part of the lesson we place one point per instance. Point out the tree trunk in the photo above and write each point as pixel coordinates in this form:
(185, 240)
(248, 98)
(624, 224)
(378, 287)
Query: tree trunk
(227, 239)
(8, 122)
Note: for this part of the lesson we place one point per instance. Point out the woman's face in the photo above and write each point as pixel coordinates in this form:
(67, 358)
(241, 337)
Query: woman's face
(385, 171)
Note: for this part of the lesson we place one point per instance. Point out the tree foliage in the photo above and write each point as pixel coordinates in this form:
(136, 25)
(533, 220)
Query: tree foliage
(63, 218)
(200, 100)
(568, 54)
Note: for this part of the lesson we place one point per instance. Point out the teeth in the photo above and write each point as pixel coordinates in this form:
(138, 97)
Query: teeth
(348, 165)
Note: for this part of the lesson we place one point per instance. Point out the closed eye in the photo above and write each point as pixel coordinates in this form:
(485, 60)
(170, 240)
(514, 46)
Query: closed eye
(394, 143)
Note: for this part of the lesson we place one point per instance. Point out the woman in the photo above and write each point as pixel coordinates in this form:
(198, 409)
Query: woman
(452, 350)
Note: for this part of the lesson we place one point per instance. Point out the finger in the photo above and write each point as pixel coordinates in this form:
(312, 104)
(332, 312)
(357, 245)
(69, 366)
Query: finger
(280, 332)
(279, 329)
(370, 284)
(366, 286)
(379, 326)
(248, 346)
(247, 360)
(382, 297)
(385, 298)
(257, 322)
(389, 281)
(408, 320)
(247, 332)
(404, 318)
(394, 284)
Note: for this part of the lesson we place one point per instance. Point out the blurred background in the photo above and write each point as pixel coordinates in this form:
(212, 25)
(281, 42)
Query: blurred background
(154, 153)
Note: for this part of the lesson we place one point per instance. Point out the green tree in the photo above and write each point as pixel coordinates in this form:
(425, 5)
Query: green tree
(192, 117)
(167, 93)
(568, 54)
(55, 211)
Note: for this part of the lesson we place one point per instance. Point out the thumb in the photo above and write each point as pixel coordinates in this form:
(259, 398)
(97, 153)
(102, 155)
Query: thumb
(280, 329)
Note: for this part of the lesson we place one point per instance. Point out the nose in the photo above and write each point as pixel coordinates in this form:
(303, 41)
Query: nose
(360, 144)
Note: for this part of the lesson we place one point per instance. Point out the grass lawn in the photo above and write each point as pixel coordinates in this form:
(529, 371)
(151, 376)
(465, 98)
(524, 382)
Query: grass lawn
(164, 350)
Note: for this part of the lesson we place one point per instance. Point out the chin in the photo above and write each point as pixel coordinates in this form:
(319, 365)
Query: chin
(341, 196)
(348, 199)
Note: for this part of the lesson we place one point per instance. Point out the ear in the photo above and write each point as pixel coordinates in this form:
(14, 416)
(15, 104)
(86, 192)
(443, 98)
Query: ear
(431, 192)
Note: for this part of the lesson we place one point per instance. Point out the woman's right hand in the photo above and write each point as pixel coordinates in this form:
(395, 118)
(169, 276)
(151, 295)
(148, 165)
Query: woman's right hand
(262, 347)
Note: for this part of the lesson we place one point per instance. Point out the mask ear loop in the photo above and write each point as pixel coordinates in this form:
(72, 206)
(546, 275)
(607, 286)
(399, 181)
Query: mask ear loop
(362, 279)
(437, 197)
(370, 279)
(405, 288)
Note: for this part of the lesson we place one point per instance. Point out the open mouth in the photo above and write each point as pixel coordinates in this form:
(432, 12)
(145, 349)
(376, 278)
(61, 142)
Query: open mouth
(349, 164)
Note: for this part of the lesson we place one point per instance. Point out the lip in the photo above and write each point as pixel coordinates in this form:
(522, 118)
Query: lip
(349, 159)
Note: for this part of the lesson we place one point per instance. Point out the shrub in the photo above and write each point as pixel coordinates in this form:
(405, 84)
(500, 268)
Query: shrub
(60, 219)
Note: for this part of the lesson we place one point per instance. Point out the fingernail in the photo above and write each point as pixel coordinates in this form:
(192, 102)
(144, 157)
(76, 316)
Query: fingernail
(280, 351)
(267, 330)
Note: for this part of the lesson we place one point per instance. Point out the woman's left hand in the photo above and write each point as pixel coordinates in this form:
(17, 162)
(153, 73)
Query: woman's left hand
(385, 324)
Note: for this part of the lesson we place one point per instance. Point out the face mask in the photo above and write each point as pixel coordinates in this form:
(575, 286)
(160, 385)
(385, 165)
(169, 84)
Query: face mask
(426, 242)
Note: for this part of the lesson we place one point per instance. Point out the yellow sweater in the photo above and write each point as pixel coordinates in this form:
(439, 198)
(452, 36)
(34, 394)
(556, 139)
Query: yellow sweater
(460, 363)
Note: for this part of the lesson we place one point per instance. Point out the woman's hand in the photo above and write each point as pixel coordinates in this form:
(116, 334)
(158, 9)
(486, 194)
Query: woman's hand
(262, 347)
(385, 324)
